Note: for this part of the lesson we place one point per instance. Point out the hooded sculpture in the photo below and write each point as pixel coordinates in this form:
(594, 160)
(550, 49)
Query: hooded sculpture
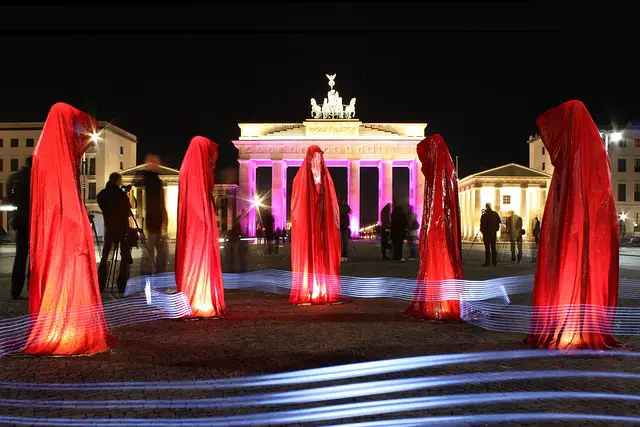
(440, 237)
(198, 268)
(64, 295)
(576, 281)
(315, 233)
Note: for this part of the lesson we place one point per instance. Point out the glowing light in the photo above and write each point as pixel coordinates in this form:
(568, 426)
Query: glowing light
(623, 216)
(615, 136)
(95, 137)
(8, 208)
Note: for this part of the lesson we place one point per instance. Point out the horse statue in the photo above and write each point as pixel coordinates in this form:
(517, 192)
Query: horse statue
(327, 111)
(350, 110)
(316, 111)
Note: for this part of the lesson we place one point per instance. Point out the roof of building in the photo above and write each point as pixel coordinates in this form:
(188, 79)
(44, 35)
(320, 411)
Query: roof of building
(39, 125)
(510, 170)
(162, 170)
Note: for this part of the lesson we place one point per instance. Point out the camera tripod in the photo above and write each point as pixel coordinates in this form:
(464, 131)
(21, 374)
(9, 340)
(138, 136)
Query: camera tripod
(117, 250)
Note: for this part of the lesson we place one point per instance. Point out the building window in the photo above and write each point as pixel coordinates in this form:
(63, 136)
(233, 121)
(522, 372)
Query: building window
(622, 165)
(92, 190)
(622, 192)
(14, 165)
(121, 150)
(543, 165)
(506, 200)
(622, 143)
(2, 191)
(636, 192)
(544, 151)
(30, 142)
(1, 165)
(121, 166)
(636, 143)
(14, 142)
(636, 223)
(1, 143)
(92, 166)
(636, 165)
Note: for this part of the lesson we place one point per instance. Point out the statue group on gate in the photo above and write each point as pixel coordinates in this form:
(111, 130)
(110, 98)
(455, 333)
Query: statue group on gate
(332, 107)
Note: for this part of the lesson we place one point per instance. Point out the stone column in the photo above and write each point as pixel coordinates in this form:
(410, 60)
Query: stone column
(419, 191)
(279, 193)
(497, 203)
(523, 207)
(475, 212)
(385, 184)
(246, 191)
(353, 196)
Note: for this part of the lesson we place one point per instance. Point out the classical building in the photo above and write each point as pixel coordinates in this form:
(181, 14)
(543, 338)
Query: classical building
(113, 150)
(346, 142)
(509, 188)
(623, 148)
(224, 196)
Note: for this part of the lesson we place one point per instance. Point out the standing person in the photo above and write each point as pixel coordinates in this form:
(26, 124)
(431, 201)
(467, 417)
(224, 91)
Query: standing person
(116, 211)
(412, 234)
(398, 231)
(268, 230)
(514, 231)
(276, 239)
(385, 228)
(345, 211)
(156, 218)
(536, 237)
(489, 226)
(19, 186)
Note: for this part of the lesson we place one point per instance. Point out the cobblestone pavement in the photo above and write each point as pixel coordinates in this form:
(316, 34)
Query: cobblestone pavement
(262, 334)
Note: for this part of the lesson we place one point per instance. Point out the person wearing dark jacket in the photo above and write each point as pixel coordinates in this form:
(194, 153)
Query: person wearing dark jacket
(398, 231)
(385, 228)
(155, 217)
(536, 237)
(19, 189)
(345, 211)
(269, 222)
(489, 226)
(116, 210)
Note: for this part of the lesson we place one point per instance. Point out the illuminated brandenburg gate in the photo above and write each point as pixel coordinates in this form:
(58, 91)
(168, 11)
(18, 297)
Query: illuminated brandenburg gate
(346, 142)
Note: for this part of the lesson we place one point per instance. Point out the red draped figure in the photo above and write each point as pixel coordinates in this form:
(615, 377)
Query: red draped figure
(578, 254)
(315, 234)
(64, 296)
(440, 237)
(198, 268)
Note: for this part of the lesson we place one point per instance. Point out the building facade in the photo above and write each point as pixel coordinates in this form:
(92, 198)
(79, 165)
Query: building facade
(346, 142)
(509, 189)
(114, 150)
(623, 149)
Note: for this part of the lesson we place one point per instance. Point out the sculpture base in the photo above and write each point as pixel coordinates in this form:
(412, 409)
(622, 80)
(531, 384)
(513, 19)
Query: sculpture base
(57, 356)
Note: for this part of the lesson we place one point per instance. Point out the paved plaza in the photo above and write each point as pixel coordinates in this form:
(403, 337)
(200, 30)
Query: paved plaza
(262, 334)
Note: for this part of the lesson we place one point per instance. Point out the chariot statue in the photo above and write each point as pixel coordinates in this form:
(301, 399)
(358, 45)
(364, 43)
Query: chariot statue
(332, 107)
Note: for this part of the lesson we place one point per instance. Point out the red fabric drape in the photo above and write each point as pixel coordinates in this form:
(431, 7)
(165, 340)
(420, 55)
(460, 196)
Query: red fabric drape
(198, 268)
(440, 236)
(64, 296)
(315, 233)
(579, 243)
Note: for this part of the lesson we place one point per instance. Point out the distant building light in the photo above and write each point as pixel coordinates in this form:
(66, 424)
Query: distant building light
(8, 208)
(616, 136)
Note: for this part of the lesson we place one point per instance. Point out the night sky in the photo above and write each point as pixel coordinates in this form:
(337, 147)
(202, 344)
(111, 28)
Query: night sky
(478, 74)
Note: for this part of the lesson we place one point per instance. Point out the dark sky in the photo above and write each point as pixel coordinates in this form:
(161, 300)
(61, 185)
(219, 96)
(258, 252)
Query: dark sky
(478, 74)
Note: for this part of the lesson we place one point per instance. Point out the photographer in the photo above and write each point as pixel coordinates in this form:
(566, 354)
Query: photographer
(116, 210)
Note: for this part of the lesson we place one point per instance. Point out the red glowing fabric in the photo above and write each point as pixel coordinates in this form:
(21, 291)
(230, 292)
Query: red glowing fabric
(315, 234)
(579, 242)
(64, 296)
(440, 236)
(198, 268)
